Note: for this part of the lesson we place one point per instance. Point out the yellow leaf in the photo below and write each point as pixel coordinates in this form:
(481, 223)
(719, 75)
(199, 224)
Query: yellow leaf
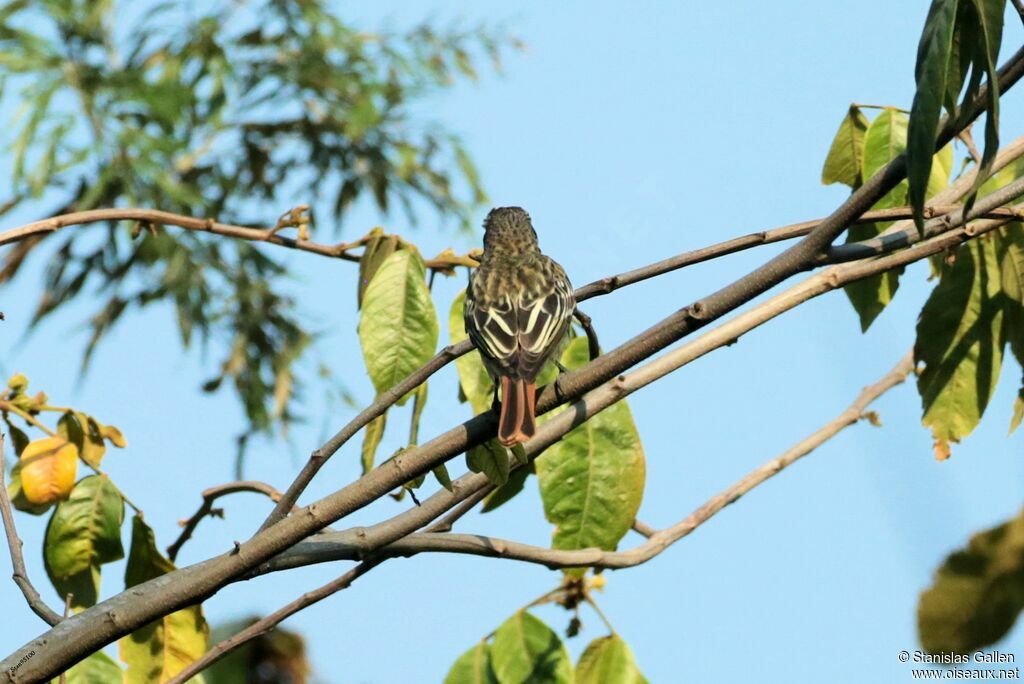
(115, 436)
(48, 468)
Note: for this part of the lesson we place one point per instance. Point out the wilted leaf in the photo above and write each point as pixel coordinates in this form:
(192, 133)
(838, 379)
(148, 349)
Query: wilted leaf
(608, 659)
(960, 341)
(476, 384)
(527, 650)
(843, 163)
(977, 594)
(398, 323)
(473, 667)
(84, 532)
(592, 480)
(47, 469)
(164, 647)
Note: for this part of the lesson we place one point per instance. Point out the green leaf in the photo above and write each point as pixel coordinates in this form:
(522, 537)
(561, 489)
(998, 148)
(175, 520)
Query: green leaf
(419, 403)
(280, 653)
(608, 659)
(960, 340)
(99, 668)
(885, 140)
(843, 163)
(398, 323)
(167, 645)
(988, 37)
(933, 59)
(491, 459)
(501, 495)
(592, 480)
(473, 667)
(378, 248)
(977, 594)
(476, 384)
(372, 436)
(84, 532)
(443, 478)
(527, 650)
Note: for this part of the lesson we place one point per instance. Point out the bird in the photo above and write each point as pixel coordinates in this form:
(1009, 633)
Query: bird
(517, 310)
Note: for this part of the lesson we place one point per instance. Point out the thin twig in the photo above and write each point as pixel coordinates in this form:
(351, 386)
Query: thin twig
(308, 599)
(20, 575)
(593, 346)
(343, 545)
(446, 261)
(643, 529)
(968, 140)
(206, 509)
(264, 625)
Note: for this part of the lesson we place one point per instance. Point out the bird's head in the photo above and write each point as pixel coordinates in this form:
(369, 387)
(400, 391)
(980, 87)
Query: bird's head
(508, 230)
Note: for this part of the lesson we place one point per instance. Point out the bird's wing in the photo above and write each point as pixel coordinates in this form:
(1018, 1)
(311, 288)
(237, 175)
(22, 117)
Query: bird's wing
(519, 334)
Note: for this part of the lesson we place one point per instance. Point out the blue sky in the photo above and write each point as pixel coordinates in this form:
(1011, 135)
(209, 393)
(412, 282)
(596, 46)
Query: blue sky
(630, 132)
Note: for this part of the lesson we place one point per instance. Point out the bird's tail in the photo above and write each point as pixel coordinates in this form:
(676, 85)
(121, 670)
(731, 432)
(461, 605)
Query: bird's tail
(517, 421)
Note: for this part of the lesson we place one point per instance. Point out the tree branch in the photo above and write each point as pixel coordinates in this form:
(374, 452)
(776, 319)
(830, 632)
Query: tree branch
(206, 509)
(339, 545)
(943, 201)
(447, 260)
(20, 574)
(94, 627)
(263, 625)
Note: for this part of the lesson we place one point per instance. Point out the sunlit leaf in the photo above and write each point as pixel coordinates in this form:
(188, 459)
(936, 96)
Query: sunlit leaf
(527, 650)
(473, 378)
(372, 436)
(99, 668)
(473, 667)
(398, 324)
(845, 157)
(608, 659)
(960, 342)
(592, 480)
(84, 532)
(167, 645)
(885, 140)
(47, 469)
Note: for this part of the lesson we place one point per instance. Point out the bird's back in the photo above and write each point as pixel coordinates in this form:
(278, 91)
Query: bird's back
(518, 310)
